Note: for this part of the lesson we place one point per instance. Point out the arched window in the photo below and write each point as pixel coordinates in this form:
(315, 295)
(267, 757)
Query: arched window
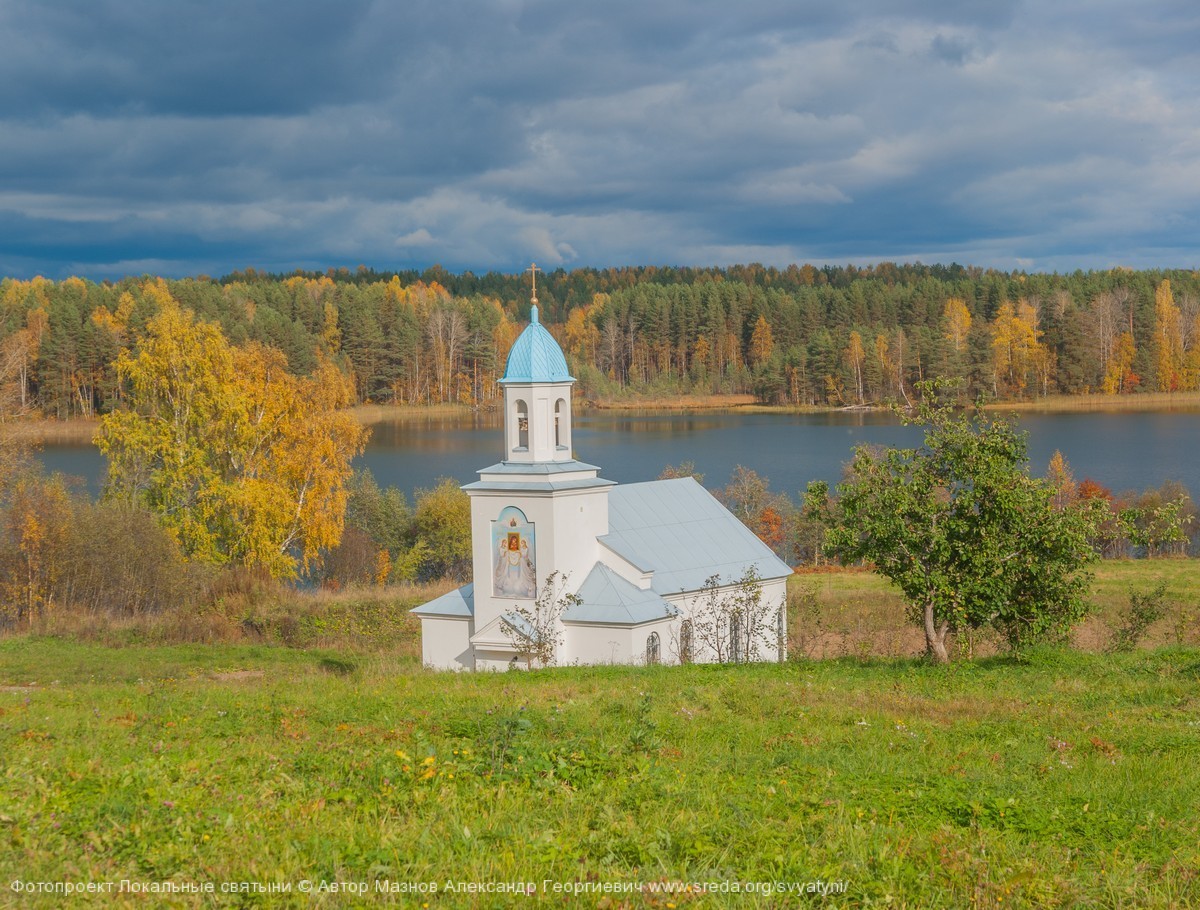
(522, 425)
(736, 651)
(685, 642)
(561, 427)
(653, 649)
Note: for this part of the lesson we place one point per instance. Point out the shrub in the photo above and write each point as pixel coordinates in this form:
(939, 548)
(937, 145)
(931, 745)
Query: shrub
(1143, 611)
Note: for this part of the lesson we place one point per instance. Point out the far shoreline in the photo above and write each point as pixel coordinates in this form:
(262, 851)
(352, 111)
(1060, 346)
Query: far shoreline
(1084, 403)
(82, 431)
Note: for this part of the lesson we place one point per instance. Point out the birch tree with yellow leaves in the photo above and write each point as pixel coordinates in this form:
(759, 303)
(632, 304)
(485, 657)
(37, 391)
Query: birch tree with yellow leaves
(1018, 355)
(243, 462)
(1168, 340)
(762, 342)
(856, 356)
(1120, 378)
(958, 323)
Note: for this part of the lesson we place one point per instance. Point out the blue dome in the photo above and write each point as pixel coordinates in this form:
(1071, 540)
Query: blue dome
(536, 356)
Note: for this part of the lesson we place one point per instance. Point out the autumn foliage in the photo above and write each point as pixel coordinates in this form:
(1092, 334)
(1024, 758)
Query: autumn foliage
(799, 336)
(244, 462)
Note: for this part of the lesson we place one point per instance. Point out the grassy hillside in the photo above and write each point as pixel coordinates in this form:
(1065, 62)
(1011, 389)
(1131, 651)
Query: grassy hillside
(859, 614)
(831, 614)
(1066, 780)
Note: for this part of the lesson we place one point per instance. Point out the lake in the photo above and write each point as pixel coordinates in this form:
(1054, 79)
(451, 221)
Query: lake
(1121, 450)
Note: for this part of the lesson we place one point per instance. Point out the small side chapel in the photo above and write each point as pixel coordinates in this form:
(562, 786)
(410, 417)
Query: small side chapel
(636, 556)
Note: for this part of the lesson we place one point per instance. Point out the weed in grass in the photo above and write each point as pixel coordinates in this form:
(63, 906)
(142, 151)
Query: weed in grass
(1184, 626)
(499, 741)
(338, 665)
(1145, 609)
(642, 735)
(804, 609)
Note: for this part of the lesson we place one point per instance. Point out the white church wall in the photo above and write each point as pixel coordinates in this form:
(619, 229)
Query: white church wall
(565, 529)
(774, 599)
(776, 593)
(485, 510)
(595, 644)
(635, 575)
(578, 519)
(604, 644)
(497, 661)
(640, 637)
(446, 643)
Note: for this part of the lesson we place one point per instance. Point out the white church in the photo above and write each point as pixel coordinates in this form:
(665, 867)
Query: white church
(638, 559)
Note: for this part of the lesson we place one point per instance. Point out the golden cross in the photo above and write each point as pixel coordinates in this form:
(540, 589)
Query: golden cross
(533, 270)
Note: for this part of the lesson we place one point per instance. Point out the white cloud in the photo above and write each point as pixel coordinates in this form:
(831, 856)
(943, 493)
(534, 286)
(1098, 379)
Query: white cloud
(539, 241)
(418, 238)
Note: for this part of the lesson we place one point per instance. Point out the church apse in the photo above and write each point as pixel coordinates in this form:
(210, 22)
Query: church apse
(514, 573)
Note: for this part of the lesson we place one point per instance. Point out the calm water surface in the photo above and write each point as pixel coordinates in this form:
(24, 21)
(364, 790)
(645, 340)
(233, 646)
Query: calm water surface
(1120, 450)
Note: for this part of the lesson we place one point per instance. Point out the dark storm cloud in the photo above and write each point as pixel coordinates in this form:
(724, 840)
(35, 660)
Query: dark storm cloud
(178, 57)
(137, 135)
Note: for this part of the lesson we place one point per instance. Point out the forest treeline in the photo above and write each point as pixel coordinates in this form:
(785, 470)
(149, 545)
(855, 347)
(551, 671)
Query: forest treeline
(832, 336)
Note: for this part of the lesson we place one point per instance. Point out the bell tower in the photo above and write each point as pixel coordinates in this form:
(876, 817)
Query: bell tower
(537, 395)
(539, 511)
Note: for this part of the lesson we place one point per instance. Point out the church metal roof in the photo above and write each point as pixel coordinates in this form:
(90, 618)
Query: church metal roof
(680, 531)
(536, 356)
(608, 598)
(457, 603)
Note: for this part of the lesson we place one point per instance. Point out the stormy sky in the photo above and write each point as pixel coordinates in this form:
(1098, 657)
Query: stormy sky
(202, 136)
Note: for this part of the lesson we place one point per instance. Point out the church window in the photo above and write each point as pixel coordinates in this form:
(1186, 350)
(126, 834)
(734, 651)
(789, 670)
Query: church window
(560, 413)
(653, 649)
(522, 425)
(685, 642)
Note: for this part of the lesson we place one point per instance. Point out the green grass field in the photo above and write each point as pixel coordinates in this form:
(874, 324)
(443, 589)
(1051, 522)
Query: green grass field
(1065, 780)
(160, 752)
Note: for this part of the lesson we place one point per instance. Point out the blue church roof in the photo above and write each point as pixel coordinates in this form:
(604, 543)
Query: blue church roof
(536, 356)
(680, 531)
(458, 603)
(606, 597)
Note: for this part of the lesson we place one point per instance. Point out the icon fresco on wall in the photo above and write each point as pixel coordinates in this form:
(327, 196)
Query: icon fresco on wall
(515, 570)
